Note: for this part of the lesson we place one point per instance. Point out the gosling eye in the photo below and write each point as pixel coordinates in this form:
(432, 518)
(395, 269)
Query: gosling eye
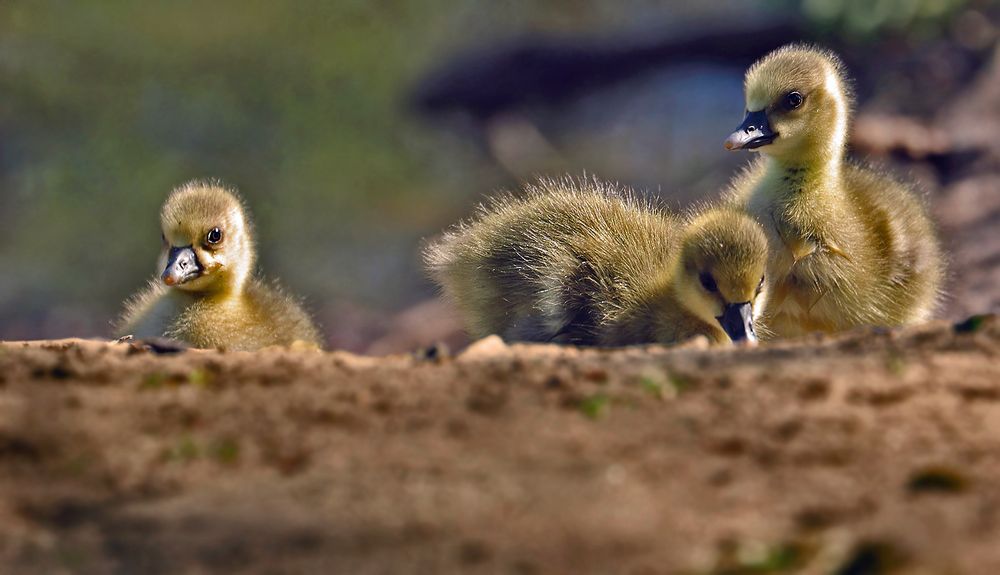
(214, 236)
(708, 282)
(792, 100)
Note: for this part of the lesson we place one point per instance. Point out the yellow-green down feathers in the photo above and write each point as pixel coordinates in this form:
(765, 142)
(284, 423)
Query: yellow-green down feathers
(221, 304)
(850, 245)
(589, 263)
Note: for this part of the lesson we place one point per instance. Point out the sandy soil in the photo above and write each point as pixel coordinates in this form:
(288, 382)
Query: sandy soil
(874, 452)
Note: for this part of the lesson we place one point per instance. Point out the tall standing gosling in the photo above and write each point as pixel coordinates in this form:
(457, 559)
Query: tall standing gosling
(850, 245)
(205, 295)
(589, 264)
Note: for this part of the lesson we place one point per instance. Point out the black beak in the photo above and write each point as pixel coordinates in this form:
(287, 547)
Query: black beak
(182, 266)
(737, 320)
(754, 132)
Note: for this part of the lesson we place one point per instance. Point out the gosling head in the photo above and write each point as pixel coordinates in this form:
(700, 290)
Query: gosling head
(721, 279)
(797, 105)
(207, 243)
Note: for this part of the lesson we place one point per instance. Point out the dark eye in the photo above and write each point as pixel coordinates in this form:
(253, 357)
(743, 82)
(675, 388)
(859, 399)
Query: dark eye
(708, 282)
(213, 236)
(760, 285)
(792, 100)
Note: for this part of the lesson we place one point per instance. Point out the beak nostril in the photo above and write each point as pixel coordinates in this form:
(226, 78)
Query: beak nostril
(752, 133)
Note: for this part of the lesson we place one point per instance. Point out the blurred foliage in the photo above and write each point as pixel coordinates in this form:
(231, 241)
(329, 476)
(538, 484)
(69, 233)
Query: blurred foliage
(107, 107)
(866, 19)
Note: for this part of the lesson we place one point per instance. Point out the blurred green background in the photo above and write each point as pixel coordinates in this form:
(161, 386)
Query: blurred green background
(308, 108)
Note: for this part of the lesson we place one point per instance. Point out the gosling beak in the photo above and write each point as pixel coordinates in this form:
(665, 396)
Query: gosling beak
(754, 132)
(182, 266)
(737, 321)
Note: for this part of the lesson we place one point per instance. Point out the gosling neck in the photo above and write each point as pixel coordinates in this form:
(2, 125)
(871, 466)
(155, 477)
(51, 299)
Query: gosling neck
(234, 279)
(814, 161)
(813, 169)
(231, 286)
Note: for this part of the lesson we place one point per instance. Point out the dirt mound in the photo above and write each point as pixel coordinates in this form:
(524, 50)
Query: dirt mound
(869, 453)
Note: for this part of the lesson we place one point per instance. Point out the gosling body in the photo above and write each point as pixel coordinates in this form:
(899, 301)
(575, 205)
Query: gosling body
(588, 263)
(205, 294)
(850, 245)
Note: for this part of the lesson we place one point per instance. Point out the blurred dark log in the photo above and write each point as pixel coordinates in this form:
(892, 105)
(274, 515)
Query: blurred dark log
(883, 134)
(549, 71)
(961, 139)
(912, 140)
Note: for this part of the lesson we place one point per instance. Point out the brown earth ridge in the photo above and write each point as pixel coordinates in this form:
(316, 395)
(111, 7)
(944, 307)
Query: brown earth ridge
(877, 451)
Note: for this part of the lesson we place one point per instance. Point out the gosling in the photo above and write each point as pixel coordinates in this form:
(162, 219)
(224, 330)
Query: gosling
(587, 263)
(850, 245)
(205, 294)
